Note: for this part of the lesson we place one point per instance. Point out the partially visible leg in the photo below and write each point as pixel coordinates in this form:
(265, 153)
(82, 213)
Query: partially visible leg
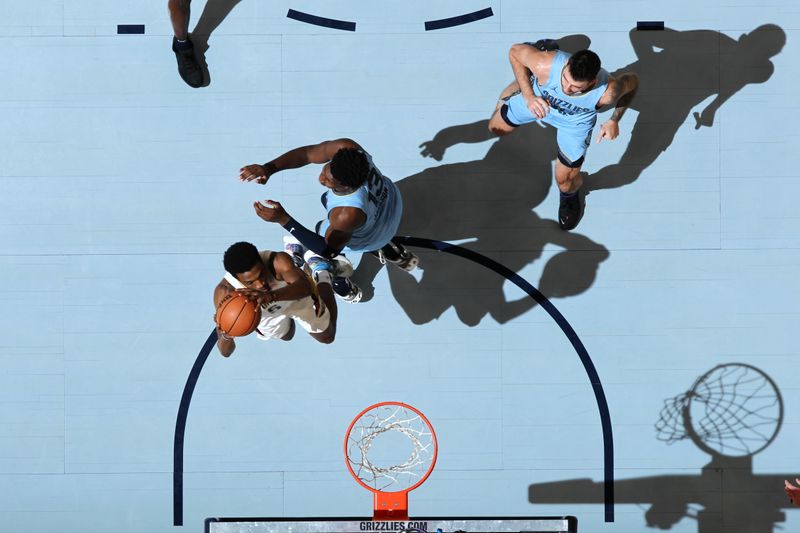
(326, 295)
(179, 16)
(188, 66)
(397, 254)
(570, 206)
(572, 146)
(500, 124)
(568, 178)
(335, 272)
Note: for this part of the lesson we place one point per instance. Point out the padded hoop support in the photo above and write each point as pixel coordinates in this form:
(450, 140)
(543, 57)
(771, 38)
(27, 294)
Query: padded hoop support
(391, 506)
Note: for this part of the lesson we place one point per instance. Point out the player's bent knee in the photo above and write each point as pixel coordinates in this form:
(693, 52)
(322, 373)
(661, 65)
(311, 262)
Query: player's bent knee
(498, 127)
(499, 130)
(501, 124)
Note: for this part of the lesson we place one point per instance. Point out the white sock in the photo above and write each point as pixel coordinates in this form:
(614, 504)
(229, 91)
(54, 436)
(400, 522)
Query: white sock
(323, 276)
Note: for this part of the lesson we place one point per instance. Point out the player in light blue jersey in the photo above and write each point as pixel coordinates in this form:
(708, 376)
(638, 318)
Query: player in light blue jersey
(564, 91)
(363, 207)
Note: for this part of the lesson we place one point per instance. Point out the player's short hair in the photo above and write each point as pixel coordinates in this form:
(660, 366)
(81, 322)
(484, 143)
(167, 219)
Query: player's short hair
(350, 167)
(584, 65)
(240, 257)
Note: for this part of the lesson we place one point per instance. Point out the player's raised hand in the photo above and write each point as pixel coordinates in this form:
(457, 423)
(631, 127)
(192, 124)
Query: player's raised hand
(271, 211)
(258, 297)
(608, 130)
(258, 173)
(538, 106)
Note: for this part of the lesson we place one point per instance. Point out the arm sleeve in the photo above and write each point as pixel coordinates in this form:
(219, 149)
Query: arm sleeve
(309, 239)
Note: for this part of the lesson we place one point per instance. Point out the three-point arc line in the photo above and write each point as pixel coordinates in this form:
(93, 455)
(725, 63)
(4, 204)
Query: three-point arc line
(510, 275)
(346, 25)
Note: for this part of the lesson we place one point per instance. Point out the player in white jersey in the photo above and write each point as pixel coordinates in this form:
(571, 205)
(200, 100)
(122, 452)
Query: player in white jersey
(285, 293)
(565, 92)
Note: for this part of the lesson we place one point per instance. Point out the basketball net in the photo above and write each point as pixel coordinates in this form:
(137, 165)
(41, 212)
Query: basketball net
(389, 479)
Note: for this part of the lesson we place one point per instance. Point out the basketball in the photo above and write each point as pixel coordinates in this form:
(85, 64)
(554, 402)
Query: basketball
(236, 315)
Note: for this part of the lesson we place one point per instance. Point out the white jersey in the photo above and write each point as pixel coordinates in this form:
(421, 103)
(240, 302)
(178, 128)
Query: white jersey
(276, 317)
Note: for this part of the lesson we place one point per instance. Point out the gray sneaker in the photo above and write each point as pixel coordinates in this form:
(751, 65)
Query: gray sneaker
(339, 266)
(296, 250)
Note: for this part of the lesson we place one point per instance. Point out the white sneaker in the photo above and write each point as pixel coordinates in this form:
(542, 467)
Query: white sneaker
(295, 250)
(340, 266)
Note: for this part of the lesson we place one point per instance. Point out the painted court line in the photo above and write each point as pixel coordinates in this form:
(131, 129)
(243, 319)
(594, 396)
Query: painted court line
(321, 21)
(510, 275)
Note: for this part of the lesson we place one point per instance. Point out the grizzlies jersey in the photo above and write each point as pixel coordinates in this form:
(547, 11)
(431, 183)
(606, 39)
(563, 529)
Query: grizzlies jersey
(566, 110)
(380, 200)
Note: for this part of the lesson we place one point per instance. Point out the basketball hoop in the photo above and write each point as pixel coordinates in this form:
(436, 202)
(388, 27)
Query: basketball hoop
(390, 449)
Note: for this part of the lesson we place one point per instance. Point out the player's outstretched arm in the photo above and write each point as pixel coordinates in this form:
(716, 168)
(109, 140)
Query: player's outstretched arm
(225, 344)
(620, 92)
(328, 246)
(299, 157)
(343, 222)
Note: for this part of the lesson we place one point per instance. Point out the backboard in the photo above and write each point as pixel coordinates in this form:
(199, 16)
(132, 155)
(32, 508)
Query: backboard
(484, 524)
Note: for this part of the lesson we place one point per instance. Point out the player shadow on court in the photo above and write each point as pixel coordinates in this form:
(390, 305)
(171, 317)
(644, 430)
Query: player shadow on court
(489, 203)
(212, 16)
(677, 71)
(731, 413)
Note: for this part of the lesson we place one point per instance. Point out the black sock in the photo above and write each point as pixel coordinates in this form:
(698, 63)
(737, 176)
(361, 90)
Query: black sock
(182, 46)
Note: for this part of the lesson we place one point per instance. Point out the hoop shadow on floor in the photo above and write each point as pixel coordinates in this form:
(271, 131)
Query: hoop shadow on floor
(677, 71)
(731, 412)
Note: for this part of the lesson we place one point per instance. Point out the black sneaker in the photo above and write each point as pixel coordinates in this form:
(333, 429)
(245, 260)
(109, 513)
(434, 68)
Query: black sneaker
(188, 67)
(546, 45)
(401, 257)
(570, 211)
(347, 290)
